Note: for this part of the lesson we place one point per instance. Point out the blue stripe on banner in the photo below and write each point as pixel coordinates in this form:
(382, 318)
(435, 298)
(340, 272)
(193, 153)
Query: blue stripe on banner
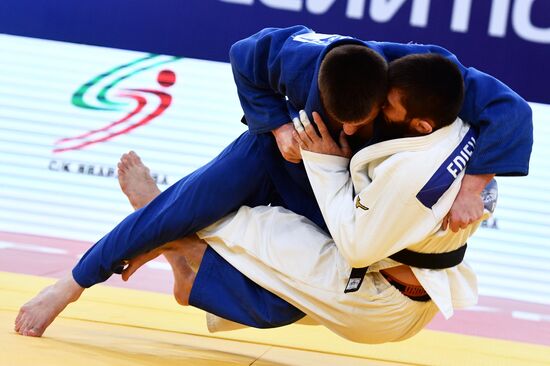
(445, 175)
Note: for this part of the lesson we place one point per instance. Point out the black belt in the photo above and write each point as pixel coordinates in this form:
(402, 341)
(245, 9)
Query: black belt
(414, 259)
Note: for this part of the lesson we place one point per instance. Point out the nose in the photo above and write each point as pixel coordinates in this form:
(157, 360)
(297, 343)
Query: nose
(350, 129)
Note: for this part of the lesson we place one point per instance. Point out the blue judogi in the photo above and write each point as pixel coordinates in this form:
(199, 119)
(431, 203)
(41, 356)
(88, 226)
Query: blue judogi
(276, 72)
(275, 63)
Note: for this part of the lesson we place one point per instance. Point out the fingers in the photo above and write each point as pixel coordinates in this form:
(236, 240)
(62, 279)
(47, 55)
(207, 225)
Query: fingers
(302, 127)
(298, 140)
(320, 125)
(297, 124)
(458, 223)
(309, 130)
(455, 226)
(304, 119)
(344, 145)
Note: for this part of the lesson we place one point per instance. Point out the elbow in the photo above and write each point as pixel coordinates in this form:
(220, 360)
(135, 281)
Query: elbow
(234, 51)
(242, 52)
(521, 109)
(524, 113)
(527, 112)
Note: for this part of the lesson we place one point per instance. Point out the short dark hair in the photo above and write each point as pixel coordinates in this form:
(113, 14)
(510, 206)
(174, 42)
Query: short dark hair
(431, 87)
(352, 81)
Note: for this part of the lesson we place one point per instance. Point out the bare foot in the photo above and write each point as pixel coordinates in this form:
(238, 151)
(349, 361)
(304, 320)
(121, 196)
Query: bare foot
(178, 253)
(185, 261)
(140, 188)
(136, 181)
(37, 314)
(183, 276)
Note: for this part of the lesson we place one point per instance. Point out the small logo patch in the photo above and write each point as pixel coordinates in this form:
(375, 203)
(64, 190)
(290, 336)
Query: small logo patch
(359, 205)
(355, 279)
(318, 38)
(353, 284)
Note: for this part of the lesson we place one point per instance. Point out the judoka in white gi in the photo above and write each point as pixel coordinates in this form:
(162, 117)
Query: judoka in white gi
(288, 255)
(393, 195)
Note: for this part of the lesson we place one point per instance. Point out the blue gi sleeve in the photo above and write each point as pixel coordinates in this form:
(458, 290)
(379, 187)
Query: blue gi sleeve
(261, 79)
(503, 118)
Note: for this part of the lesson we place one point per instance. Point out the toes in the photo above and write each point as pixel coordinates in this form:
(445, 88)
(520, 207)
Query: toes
(17, 326)
(125, 161)
(134, 158)
(23, 328)
(32, 326)
(22, 318)
(34, 332)
(135, 263)
(35, 328)
(121, 168)
(17, 323)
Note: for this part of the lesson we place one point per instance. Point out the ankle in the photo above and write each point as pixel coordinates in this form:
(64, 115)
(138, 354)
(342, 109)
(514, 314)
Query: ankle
(69, 289)
(183, 290)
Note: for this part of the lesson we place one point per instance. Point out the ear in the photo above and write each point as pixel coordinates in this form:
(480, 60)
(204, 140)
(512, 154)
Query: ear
(421, 126)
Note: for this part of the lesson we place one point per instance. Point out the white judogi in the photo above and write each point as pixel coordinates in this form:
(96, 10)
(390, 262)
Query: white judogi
(372, 213)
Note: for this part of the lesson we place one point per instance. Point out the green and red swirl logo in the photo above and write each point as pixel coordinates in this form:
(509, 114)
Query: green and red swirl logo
(138, 106)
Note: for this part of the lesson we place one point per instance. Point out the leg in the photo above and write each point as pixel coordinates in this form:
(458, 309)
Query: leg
(179, 254)
(194, 202)
(37, 314)
(221, 289)
(183, 255)
(218, 287)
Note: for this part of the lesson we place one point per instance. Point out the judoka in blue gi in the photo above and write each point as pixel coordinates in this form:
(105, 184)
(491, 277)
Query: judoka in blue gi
(277, 73)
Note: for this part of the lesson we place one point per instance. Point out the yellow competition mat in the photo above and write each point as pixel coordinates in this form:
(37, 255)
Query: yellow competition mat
(114, 326)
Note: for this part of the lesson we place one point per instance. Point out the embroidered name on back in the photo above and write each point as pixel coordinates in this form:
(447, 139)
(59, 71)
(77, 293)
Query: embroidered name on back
(459, 162)
(446, 174)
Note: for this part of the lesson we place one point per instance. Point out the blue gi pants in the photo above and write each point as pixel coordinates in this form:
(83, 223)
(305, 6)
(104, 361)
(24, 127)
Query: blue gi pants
(250, 171)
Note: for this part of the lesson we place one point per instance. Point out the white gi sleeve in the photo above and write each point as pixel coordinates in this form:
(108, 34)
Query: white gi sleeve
(382, 219)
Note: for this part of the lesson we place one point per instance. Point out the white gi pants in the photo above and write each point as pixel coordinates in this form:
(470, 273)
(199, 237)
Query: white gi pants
(290, 256)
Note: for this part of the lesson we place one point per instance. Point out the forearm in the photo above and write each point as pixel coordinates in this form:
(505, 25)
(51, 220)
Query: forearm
(468, 205)
(350, 221)
(266, 71)
(504, 122)
(331, 183)
(474, 184)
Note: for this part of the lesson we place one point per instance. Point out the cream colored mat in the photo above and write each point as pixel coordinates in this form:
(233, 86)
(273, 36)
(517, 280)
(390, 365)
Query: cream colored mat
(113, 326)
